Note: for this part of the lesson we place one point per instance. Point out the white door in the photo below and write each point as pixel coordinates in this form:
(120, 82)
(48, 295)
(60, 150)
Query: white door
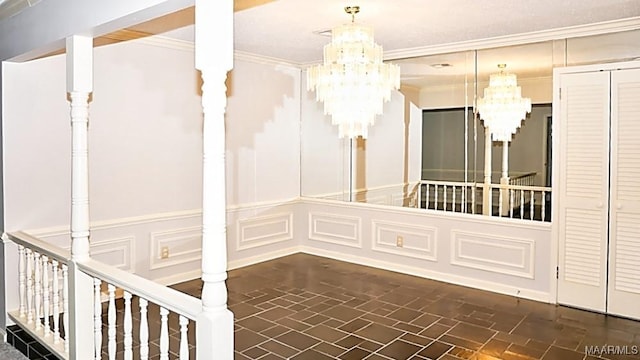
(583, 190)
(624, 243)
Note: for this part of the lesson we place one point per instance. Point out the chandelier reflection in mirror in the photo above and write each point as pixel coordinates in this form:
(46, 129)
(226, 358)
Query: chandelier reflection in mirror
(503, 108)
(353, 82)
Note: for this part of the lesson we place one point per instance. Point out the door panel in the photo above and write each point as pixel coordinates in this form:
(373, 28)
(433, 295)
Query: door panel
(583, 190)
(624, 243)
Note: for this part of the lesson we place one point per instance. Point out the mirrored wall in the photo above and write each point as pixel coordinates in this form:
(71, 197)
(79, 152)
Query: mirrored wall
(430, 129)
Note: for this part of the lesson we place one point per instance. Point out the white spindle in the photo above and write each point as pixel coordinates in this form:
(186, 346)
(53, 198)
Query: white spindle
(544, 203)
(144, 330)
(435, 196)
(65, 304)
(97, 317)
(444, 198)
(22, 279)
(111, 317)
(512, 195)
(531, 206)
(56, 303)
(500, 196)
(453, 200)
(29, 286)
(38, 293)
(521, 204)
(164, 334)
(184, 340)
(473, 200)
(45, 290)
(128, 327)
(426, 205)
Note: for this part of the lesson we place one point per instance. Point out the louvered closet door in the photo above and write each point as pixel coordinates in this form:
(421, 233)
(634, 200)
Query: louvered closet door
(624, 243)
(583, 190)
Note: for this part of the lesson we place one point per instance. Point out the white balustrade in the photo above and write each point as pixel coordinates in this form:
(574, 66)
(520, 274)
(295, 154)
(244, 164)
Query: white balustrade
(526, 202)
(39, 297)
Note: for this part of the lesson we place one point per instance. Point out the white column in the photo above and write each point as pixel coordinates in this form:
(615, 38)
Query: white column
(504, 179)
(486, 191)
(79, 87)
(214, 58)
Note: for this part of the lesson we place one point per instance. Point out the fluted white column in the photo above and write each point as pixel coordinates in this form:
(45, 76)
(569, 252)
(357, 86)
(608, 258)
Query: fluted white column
(81, 297)
(214, 58)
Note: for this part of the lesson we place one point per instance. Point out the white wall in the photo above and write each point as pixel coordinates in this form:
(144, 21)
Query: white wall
(389, 157)
(145, 146)
(324, 157)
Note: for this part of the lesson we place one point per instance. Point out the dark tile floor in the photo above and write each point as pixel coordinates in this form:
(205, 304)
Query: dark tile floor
(307, 307)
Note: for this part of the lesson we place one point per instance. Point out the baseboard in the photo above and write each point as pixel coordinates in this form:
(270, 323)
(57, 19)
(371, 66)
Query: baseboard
(433, 275)
(235, 264)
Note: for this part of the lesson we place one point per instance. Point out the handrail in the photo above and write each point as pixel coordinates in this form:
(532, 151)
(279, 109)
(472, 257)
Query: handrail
(33, 243)
(170, 299)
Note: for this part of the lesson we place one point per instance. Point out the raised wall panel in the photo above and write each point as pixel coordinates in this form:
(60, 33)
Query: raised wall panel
(185, 246)
(341, 230)
(418, 241)
(503, 255)
(264, 230)
(115, 252)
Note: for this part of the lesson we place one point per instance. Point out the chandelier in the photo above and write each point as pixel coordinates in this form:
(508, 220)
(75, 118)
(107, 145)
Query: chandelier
(503, 108)
(353, 82)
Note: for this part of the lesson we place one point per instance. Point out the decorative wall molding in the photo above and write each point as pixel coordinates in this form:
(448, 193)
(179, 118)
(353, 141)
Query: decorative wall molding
(498, 254)
(340, 230)
(185, 246)
(118, 252)
(419, 242)
(264, 230)
(433, 275)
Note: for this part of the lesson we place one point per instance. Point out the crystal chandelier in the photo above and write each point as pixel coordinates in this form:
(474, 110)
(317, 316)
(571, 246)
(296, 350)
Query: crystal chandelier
(503, 108)
(353, 82)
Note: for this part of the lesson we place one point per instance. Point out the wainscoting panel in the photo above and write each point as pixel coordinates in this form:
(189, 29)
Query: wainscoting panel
(116, 252)
(184, 246)
(503, 255)
(264, 230)
(341, 230)
(417, 241)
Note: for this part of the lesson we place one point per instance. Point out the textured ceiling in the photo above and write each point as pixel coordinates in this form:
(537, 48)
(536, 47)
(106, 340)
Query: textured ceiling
(287, 30)
(284, 29)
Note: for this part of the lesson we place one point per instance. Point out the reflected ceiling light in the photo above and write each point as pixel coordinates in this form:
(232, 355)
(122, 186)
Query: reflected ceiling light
(353, 82)
(441, 65)
(503, 108)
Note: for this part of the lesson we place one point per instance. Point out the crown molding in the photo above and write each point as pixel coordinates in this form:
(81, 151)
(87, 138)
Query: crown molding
(632, 23)
(260, 59)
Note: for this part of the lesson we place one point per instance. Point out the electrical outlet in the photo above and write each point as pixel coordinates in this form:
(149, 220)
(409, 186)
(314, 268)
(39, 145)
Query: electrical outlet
(164, 252)
(399, 241)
